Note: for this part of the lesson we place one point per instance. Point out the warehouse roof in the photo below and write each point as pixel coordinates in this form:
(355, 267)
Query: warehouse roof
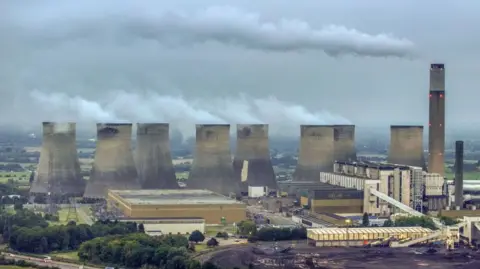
(369, 230)
(171, 197)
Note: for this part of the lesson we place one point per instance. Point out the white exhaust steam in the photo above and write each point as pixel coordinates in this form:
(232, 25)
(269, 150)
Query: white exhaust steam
(124, 22)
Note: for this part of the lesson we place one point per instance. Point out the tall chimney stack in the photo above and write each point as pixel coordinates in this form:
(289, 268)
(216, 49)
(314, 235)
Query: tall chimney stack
(316, 153)
(58, 171)
(436, 125)
(212, 167)
(344, 142)
(459, 173)
(153, 157)
(113, 164)
(406, 145)
(253, 157)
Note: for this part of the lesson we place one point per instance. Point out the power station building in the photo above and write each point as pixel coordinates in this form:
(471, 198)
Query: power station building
(177, 204)
(316, 152)
(436, 125)
(58, 171)
(406, 184)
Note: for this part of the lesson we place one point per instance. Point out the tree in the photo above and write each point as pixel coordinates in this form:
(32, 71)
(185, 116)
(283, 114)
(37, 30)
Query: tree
(196, 236)
(365, 220)
(212, 242)
(141, 228)
(247, 227)
(388, 223)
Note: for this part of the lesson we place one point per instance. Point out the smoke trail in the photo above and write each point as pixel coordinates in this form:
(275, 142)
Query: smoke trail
(102, 22)
(122, 106)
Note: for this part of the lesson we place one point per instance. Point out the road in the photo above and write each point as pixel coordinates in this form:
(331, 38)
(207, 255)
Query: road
(51, 263)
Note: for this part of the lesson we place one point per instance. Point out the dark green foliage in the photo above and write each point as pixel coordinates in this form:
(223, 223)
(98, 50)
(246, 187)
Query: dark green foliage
(22, 263)
(247, 227)
(424, 222)
(139, 250)
(141, 228)
(448, 221)
(27, 235)
(196, 236)
(212, 242)
(279, 234)
(365, 220)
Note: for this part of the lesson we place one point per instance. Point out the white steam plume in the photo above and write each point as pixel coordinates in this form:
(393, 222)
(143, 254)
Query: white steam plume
(121, 106)
(125, 23)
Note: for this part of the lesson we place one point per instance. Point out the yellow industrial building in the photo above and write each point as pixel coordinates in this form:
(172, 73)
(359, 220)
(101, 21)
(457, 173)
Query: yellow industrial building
(176, 204)
(361, 236)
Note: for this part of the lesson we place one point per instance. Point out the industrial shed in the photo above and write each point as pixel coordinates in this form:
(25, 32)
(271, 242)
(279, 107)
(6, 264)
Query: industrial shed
(161, 226)
(361, 236)
(177, 204)
(334, 200)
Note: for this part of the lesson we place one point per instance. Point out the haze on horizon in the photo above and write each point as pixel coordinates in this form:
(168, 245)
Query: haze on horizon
(278, 62)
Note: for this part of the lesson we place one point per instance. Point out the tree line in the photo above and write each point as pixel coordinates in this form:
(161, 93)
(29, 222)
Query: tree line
(26, 231)
(139, 250)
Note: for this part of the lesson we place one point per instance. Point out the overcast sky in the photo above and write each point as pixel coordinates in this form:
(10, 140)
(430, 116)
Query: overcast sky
(364, 62)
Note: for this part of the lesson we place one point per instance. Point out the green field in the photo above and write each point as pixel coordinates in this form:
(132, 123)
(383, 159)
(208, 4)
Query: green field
(466, 175)
(13, 267)
(62, 214)
(181, 175)
(71, 255)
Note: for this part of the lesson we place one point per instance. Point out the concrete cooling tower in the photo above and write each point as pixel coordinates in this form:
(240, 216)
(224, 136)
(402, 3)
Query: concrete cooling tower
(212, 167)
(344, 142)
(406, 145)
(253, 157)
(113, 164)
(316, 153)
(58, 171)
(153, 157)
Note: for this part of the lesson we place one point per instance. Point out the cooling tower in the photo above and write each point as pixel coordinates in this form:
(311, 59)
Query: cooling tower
(459, 173)
(344, 142)
(316, 153)
(113, 164)
(253, 157)
(58, 171)
(153, 157)
(406, 145)
(436, 125)
(212, 167)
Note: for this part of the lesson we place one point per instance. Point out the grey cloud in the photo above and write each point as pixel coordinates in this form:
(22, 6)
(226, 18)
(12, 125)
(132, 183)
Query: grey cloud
(221, 24)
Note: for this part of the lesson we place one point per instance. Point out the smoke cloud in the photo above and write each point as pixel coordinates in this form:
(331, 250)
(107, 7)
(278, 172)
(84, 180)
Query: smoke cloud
(121, 106)
(111, 22)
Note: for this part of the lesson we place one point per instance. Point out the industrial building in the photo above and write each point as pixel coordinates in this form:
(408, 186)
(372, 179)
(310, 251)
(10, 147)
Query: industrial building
(58, 171)
(334, 200)
(212, 167)
(436, 125)
(344, 143)
(316, 153)
(406, 145)
(252, 163)
(113, 164)
(163, 226)
(180, 203)
(362, 236)
(153, 157)
(406, 184)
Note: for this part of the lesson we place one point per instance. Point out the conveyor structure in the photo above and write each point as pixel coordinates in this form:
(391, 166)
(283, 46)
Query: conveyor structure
(443, 231)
